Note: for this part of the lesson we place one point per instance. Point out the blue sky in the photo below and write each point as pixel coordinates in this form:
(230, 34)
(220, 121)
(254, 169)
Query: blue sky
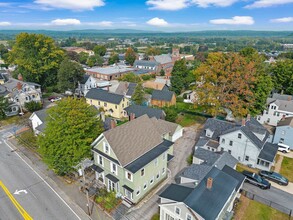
(163, 15)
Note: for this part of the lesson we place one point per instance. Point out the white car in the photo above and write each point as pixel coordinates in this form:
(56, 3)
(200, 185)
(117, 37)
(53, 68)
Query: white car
(283, 148)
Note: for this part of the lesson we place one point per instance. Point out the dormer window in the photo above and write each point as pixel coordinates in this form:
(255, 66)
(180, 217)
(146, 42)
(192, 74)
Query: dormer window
(209, 133)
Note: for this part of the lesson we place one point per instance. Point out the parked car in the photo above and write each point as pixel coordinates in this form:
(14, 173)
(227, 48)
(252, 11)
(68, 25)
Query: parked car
(283, 147)
(54, 98)
(276, 177)
(255, 179)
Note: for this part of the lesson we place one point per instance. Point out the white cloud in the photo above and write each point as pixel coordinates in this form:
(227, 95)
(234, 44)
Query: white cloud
(105, 23)
(173, 5)
(282, 20)
(78, 5)
(236, 20)
(157, 22)
(63, 22)
(5, 23)
(268, 3)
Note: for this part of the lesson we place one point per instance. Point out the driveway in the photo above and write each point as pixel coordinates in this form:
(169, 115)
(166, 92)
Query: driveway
(182, 149)
(274, 195)
(290, 154)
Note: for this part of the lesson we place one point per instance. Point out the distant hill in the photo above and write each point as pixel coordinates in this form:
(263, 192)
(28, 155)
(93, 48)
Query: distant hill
(126, 33)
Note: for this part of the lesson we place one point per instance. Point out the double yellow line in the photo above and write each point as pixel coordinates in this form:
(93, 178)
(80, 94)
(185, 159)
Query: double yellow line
(21, 210)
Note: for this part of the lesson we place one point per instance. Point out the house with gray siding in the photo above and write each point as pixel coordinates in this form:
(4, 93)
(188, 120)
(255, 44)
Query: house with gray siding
(284, 132)
(211, 199)
(132, 159)
(248, 142)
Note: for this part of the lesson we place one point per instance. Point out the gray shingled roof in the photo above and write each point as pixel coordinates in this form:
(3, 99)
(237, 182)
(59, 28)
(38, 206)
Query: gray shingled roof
(163, 58)
(145, 63)
(234, 173)
(176, 192)
(103, 95)
(209, 203)
(131, 88)
(195, 171)
(42, 114)
(139, 110)
(162, 95)
(268, 152)
(282, 96)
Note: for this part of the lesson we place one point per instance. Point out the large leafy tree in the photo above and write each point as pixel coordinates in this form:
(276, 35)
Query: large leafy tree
(114, 58)
(3, 107)
(83, 57)
(226, 80)
(138, 95)
(95, 60)
(69, 74)
(130, 77)
(72, 125)
(100, 50)
(37, 58)
(130, 56)
(282, 73)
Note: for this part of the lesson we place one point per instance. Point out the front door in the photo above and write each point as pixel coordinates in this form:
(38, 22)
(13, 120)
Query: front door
(128, 194)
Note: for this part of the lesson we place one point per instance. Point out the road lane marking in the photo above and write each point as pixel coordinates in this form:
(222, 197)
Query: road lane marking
(42, 180)
(17, 192)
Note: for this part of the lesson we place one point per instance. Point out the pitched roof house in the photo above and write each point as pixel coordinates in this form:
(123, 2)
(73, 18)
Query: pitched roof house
(132, 158)
(247, 142)
(138, 110)
(284, 132)
(112, 104)
(211, 199)
(38, 120)
(162, 98)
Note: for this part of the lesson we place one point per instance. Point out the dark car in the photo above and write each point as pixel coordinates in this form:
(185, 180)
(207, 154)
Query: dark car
(276, 177)
(255, 179)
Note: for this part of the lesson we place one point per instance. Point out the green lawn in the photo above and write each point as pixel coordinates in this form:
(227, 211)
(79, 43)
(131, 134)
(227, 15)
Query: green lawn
(256, 210)
(28, 139)
(287, 168)
(186, 120)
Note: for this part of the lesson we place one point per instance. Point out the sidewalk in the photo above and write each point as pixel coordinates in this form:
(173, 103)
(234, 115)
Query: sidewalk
(69, 192)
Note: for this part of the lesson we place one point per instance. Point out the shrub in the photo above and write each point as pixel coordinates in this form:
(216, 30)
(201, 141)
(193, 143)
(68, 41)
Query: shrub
(33, 106)
(171, 114)
(156, 216)
(146, 77)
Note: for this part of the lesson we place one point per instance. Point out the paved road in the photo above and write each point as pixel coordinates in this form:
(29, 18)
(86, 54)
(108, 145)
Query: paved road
(39, 199)
(273, 194)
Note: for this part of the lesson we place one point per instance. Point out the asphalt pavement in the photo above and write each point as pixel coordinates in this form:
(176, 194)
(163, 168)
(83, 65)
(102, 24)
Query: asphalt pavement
(30, 189)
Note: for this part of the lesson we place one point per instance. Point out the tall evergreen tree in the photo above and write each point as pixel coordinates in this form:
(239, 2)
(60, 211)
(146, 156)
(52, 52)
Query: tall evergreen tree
(138, 95)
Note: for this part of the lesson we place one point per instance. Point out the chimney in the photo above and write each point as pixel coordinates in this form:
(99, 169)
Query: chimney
(132, 116)
(113, 123)
(210, 183)
(19, 86)
(19, 77)
(248, 117)
(243, 122)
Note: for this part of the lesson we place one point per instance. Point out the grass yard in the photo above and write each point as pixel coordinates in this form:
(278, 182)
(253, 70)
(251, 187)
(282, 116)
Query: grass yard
(187, 120)
(248, 209)
(240, 167)
(28, 139)
(287, 168)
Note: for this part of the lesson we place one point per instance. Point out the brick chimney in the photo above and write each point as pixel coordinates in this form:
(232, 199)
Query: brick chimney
(248, 117)
(210, 183)
(113, 123)
(243, 122)
(19, 86)
(132, 116)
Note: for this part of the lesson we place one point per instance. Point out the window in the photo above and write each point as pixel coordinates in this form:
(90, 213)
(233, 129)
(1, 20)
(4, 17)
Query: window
(122, 105)
(247, 158)
(156, 162)
(142, 172)
(99, 103)
(106, 148)
(223, 141)
(115, 106)
(158, 175)
(168, 217)
(188, 217)
(101, 160)
(152, 180)
(231, 143)
(177, 210)
(105, 104)
(128, 176)
(138, 191)
(229, 151)
(283, 132)
(213, 149)
(145, 186)
(114, 168)
(222, 149)
(239, 135)
(281, 140)
(163, 170)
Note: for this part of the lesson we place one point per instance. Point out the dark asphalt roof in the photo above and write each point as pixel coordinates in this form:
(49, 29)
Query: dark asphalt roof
(41, 127)
(142, 71)
(145, 63)
(97, 168)
(268, 152)
(195, 171)
(176, 192)
(42, 114)
(207, 156)
(131, 88)
(84, 79)
(128, 188)
(208, 203)
(112, 178)
(162, 95)
(139, 110)
(149, 156)
(234, 173)
(103, 95)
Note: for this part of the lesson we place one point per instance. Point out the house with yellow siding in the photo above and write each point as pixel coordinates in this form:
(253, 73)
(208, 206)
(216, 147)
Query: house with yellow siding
(112, 104)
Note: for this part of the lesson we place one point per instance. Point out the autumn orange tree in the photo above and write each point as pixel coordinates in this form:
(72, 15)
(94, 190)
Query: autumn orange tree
(226, 80)
(130, 56)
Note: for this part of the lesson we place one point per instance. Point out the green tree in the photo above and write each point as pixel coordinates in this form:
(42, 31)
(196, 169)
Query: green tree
(162, 72)
(130, 56)
(138, 95)
(69, 74)
(130, 77)
(37, 58)
(282, 73)
(72, 55)
(171, 114)
(179, 79)
(114, 58)
(33, 106)
(3, 107)
(83, 57)
(72, 125)
(95, 60)
(100, 50)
